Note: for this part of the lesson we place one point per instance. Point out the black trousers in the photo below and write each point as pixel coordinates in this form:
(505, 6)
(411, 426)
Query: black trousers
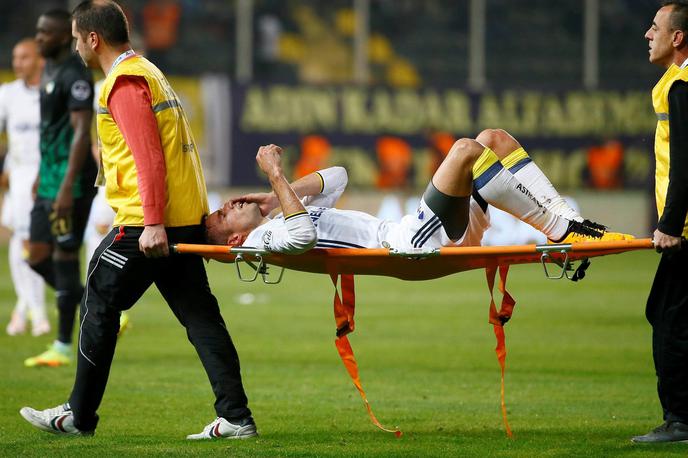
(667, 312)
(118, 275)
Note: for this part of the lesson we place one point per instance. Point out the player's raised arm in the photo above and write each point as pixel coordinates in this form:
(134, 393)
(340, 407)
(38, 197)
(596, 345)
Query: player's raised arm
(302, 234)
(322, 188)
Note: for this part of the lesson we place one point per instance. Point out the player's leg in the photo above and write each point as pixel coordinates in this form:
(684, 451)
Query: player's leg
(470, 165)
(17, 324)
(67, 268)
(66, 274)
(29, 285)
(41, 241)
(41, 248)
(515, 158)
(448, 193)
(68, 292)
(30, 288)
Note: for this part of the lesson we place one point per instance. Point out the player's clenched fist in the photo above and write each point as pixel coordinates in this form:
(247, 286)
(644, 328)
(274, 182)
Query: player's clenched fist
(269, 160)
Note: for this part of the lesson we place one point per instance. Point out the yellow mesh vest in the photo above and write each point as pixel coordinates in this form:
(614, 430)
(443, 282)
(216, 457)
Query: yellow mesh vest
(187, 200)
(660, 101)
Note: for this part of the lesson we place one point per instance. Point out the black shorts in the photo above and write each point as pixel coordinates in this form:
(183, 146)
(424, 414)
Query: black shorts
(40, 230)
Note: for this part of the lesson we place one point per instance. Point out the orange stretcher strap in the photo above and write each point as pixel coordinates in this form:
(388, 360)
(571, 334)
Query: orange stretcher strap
(345, 262)
(498, 320)
(344, 308)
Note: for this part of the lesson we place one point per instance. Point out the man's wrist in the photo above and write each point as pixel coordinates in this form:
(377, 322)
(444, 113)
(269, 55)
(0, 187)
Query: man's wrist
(667, 228)
(275, 177)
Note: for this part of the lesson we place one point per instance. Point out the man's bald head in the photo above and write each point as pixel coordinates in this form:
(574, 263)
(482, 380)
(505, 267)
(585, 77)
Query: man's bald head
(26, 61)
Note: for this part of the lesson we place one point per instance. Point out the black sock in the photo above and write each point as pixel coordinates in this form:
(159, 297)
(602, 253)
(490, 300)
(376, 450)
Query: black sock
(68, 294)
(46, 269)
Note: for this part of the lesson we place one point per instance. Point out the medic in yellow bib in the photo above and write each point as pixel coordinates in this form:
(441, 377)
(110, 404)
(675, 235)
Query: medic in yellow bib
(185, 196)
(155, 184)
(667, 304)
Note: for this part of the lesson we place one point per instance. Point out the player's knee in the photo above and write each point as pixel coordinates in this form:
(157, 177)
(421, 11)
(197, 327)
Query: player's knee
(45, 269)
(38, 253)
(498, 140)
(62, 254)
(491, 137)
(465, 151)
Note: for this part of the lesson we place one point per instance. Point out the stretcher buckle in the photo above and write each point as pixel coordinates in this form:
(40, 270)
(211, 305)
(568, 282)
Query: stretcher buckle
(257, 266)
(566, 264)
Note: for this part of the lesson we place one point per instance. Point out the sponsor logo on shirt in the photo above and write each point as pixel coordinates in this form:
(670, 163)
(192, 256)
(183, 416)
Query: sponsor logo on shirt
(50, 87)
(25, 127)
(315, 214)
(81, 90)
(267, 237)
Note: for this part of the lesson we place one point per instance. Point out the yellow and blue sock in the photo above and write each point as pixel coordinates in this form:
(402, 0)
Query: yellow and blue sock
(501, 189)
(527, 172)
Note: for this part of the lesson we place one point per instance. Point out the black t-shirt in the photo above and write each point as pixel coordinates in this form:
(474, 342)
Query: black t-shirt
(65, 87)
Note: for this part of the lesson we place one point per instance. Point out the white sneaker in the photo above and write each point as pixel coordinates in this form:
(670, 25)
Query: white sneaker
(222, 429)
(58, 420)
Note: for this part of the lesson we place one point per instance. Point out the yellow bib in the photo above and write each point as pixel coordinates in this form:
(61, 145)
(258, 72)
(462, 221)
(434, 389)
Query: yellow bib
(660, 101)
(187, 200)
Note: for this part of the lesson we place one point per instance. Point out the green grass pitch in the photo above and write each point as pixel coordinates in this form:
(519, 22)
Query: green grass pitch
(580, 380)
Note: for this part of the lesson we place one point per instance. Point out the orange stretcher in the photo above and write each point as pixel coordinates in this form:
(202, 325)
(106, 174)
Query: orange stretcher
(341, 264)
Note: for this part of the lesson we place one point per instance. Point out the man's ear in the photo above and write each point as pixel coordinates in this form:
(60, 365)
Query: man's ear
(236, 239)
(94, 40)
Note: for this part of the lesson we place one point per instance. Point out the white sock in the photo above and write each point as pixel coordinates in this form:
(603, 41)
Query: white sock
(527, 172)
(28, 285)
(499, 188)
(20, 310)
(16, 260)
(34, 295)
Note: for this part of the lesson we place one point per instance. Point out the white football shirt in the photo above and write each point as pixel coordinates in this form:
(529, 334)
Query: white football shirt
(354, 229)
(20, 116)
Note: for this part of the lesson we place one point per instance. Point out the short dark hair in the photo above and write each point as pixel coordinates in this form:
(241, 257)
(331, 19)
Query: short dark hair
(62, 17)
(679, 14)
(104, 17)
